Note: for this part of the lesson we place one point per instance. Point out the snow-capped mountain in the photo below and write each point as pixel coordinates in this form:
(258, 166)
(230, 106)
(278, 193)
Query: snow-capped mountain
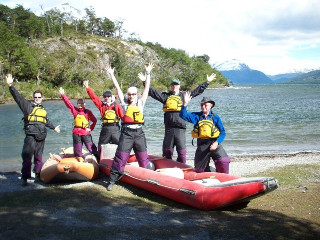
(240, 73)
(64, 8)
(233, 64)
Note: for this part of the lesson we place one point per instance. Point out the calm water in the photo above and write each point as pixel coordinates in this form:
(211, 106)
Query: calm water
(258, 120)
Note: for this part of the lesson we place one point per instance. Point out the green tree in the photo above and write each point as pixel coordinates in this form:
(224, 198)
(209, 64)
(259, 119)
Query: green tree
(91, 20)
(106, 28)
(204, 58)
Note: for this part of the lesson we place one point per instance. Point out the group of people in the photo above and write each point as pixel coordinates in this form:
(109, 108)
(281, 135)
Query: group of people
(208, 127)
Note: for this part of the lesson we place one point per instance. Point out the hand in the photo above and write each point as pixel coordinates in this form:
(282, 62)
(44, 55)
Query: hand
(214, 146)
(86, 84)
(211, 77)
(149, 67)
(61, 90)
(57, 129)
(9, 79)
(109, 70)
(187, 97)
(142, 77)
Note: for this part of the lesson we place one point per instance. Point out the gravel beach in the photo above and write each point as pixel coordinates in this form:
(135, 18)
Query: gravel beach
(240, 166)
(115, 218)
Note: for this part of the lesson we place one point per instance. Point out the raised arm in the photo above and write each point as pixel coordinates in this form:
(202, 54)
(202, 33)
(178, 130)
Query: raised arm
(184, 114)
(211, 77)
(200, 89)
(67, 102)
(9, 79)
(187, 98)
(110, 72)
(95, 99)
(147, 81)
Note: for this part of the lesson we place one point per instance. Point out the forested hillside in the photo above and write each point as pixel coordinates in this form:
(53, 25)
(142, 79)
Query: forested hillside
(57, 49)
(312, 77)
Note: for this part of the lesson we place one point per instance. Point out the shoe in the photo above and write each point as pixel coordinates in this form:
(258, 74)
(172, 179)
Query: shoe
(24, 182)
(37, 177)
(110, 186)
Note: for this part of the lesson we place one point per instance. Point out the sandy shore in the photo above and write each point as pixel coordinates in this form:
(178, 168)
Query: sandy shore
(240, 166)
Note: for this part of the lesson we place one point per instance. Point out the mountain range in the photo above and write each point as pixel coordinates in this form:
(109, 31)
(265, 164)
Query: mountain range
(238, 72)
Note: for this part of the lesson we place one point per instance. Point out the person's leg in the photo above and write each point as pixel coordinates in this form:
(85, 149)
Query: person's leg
(121, 157)
(27, 154)
(221, 160)
(222, 165)
(180, 142)
(103, 138)
(77, 145)
(167, 146)
(140, 149)
(115, 135)
(108, 134)
(39, 147)
(87, 139)
(202, 157)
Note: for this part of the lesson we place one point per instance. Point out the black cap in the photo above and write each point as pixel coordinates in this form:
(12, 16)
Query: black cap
(206, 99)
(107, 94)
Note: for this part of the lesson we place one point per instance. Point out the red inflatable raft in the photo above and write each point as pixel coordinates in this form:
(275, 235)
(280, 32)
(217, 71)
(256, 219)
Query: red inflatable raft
(179, 182)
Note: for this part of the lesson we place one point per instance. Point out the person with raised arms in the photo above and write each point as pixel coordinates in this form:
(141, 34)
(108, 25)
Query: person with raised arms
(82, 128)
(209, 131)
(132, 135)
(111, 113)
(35, 123)
(175, 127)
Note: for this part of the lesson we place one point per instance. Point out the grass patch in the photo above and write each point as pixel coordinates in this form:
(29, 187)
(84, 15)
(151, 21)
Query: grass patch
(290, 212)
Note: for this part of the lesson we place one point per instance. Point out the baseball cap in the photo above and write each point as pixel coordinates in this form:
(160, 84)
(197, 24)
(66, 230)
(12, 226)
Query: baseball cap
(175, 81)
(107, 94)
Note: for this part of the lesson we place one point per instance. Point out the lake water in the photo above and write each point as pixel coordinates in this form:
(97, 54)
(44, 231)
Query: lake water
(259, 119)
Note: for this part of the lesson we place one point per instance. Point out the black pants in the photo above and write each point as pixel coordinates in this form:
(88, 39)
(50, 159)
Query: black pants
(31, 149)
(109, 134)
(203, 155)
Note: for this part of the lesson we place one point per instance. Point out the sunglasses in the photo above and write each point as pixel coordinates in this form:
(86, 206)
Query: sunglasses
(131, 94)
(37, 97)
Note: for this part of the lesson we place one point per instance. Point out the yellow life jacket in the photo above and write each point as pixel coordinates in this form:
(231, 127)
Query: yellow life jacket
(81, 121)
(110, 116)
(38, 114)
(173, 104)
(133, 115)
(205, 129)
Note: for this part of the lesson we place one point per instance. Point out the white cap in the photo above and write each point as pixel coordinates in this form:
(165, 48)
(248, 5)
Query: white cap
(132, 90)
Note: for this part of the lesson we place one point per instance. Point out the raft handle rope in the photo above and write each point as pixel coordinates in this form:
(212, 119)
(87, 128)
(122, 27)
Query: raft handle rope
(53, 157)
(152, 181)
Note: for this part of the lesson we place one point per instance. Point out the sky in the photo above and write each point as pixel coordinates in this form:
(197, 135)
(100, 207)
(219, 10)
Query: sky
(272, 36)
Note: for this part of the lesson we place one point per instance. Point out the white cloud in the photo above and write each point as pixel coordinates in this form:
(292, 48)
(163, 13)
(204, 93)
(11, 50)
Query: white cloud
(260, 33)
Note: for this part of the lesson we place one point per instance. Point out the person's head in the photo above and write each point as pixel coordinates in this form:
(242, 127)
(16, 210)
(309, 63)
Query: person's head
(81, 103)
(132, 94)
(175, 85)
(206, 105)
(37, 96)
(107, 95)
